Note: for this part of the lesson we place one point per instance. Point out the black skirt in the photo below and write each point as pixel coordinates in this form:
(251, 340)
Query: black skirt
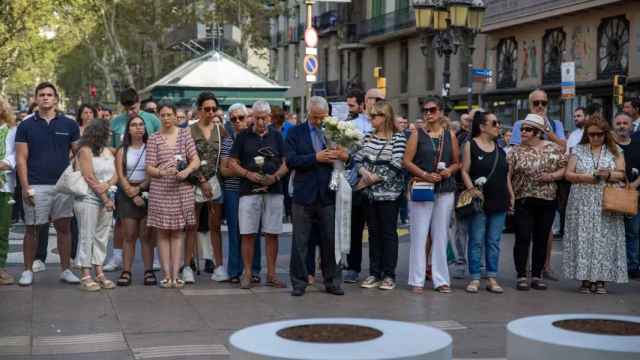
(127, 209)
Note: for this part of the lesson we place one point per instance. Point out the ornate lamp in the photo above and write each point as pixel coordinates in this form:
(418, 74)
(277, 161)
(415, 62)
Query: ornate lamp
(458, 11)
(476, 15)
(425, 10)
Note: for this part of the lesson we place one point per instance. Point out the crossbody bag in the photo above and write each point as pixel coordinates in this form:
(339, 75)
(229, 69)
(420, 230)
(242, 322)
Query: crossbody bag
(422, 191)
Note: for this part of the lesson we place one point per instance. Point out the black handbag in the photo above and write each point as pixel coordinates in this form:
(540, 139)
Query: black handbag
(471, 201)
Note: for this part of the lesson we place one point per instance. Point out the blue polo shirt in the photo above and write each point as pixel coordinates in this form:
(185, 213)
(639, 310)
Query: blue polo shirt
(49, 146)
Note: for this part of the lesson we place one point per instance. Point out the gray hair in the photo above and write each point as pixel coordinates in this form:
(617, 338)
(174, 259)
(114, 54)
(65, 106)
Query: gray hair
(319, 102)
(238, 107)
(261, 106)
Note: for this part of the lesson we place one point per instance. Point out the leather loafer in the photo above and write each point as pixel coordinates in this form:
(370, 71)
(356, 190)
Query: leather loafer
(335, 291)
(297, 292)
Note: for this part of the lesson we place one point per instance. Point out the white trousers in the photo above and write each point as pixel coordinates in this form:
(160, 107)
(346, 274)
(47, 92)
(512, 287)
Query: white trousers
(94, 228)
(434, 216)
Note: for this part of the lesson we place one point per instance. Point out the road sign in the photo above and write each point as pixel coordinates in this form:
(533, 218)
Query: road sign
(568, 84)
(311, 78)
(311, 51)
(310, 65)
(481, 74)
(311, 37)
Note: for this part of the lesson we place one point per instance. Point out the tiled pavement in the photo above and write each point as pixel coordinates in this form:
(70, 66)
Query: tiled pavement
(56, 321)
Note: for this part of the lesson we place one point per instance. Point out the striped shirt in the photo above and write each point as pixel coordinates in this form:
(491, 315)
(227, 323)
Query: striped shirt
(231, 183)
(384, 158)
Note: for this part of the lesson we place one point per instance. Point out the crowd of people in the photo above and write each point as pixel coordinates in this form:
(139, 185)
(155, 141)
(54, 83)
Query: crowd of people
(161, 174)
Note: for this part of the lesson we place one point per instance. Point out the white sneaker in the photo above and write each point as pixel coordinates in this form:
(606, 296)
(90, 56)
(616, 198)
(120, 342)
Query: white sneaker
(220, 274)
(26, 279)
(38, 266)
(156, 264)
(188, 276)
(69, 277)
(114, 264)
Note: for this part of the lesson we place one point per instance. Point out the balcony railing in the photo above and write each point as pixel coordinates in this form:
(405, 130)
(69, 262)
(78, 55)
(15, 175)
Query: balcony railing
(387, 23)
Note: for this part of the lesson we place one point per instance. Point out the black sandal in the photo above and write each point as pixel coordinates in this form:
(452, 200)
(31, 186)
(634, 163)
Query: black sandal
(125, 278)
(255, 279)
(150, 278)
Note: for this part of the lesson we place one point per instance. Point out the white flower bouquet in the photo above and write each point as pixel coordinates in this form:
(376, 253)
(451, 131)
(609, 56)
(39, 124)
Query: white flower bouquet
(343, 133)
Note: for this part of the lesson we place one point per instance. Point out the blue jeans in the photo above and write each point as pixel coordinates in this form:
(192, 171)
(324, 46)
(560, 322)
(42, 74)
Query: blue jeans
(631, 231)
(485, 229)
(234, 263)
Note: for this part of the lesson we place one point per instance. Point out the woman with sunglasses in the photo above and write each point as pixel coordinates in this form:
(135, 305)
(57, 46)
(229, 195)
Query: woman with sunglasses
(380, 165)
(432, 156)
(534, 167)
(171, 157)
(231, 192)
(130, 203)
(594, 244)
(484, 167)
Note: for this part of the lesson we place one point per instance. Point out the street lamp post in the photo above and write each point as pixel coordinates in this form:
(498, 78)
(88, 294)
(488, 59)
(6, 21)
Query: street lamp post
(444, 22)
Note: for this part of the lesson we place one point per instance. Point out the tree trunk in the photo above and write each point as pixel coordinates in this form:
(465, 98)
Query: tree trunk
(108, 21)
(103, 64)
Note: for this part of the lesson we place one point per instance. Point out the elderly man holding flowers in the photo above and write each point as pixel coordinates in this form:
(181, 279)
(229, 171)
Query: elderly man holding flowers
(258, 155)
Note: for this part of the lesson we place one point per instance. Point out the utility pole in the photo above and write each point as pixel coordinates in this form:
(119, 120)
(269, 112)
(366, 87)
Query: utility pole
(309, 4)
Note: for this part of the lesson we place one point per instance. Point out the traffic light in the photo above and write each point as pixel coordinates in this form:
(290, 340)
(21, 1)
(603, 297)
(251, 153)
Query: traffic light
(619, 81)
(381, 81)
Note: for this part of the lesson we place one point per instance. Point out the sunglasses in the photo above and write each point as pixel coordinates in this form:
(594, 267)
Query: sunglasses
(377, 114)
(237, 118)
(431, 110)
(209, 109)
(542, 103)
(596, 134)
(528, 129)
(494, 123)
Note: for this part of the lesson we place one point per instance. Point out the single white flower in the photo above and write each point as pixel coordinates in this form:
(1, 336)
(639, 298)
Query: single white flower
(259, 160)
(145, 195)
(203, 163)
(11, 201)
(178, 157)
(480, 181)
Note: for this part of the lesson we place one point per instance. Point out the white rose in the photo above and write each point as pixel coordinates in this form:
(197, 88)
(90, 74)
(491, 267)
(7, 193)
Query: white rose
(203, 162)
(480, 181)
(259, 160)
(342, 126)
(145, 195)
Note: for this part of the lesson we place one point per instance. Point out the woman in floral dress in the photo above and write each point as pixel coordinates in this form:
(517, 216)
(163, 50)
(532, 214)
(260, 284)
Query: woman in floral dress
(594, 244)
(171, 158)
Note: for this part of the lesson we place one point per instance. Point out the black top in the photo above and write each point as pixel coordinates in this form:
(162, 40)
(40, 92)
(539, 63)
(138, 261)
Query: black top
(247, 146)
(631, 154)
(495, 190)
(425, 153)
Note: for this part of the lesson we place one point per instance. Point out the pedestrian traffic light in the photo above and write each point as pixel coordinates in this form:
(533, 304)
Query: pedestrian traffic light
(619, 81)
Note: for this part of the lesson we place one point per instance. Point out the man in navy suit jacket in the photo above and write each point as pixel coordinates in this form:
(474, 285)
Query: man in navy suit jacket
(307, 154)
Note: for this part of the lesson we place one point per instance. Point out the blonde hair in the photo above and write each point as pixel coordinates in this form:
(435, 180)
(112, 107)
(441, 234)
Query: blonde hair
(385, 107)
(6, 113)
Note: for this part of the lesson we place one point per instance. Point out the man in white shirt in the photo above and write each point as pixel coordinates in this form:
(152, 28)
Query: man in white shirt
(576, 135)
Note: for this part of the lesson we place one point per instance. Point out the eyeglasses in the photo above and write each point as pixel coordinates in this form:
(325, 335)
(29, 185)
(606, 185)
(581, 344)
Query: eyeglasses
(431, 110)
(596, 134)
(209, 109)
(237, 118)
(542, 103)
(528, 129)
(377, 114)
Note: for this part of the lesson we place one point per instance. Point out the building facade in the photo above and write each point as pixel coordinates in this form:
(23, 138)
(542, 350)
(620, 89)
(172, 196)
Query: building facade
(523, 42)
(355, 38)
(527, 40)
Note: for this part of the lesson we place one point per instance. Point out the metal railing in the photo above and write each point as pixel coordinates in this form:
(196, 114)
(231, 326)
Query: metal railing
(390, 22)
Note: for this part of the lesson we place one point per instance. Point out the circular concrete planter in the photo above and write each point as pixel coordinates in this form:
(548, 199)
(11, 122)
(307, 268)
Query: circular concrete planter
(399, 340)
(538, 338)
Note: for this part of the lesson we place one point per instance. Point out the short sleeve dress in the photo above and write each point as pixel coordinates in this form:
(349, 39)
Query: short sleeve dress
(171, 201)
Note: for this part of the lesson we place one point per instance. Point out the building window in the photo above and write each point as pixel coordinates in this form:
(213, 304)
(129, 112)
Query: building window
(553, 43)
(325, 63)
(285, 64)
(297, 63)
(507, 63)
(430, 70)
(404, 67)
(613, 47)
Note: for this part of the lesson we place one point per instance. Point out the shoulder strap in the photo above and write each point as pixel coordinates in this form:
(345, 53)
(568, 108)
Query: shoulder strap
(142, 151)
(495, 162)
(219, 148)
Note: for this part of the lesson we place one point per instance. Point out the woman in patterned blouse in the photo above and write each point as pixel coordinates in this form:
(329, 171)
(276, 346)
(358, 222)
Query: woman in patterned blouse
(534, 167)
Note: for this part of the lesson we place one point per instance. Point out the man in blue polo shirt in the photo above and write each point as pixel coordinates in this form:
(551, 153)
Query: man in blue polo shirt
(43, 145)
